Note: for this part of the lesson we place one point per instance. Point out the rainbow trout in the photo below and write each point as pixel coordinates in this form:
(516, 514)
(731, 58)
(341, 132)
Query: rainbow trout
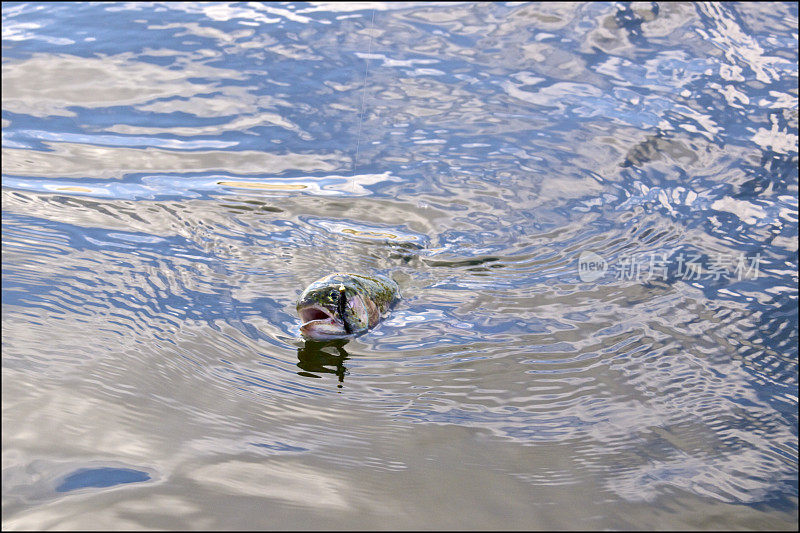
(344, 305)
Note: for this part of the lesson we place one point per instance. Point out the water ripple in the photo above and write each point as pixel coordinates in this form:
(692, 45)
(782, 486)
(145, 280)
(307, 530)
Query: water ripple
(174, 175)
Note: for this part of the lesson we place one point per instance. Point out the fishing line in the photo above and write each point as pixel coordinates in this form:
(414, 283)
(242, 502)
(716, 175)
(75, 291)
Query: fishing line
(363, 94)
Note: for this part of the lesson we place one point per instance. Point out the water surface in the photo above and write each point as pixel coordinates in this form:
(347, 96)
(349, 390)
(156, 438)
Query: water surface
(591, 210)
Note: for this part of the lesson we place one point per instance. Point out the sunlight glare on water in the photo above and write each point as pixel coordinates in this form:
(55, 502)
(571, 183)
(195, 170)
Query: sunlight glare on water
(590, 209)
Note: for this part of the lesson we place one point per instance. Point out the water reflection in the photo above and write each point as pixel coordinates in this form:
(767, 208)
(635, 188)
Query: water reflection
(101, 477)
(319, 357)
(174, 175)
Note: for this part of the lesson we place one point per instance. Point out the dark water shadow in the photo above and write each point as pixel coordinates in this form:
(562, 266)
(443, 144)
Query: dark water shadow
(100, 478)
(323, 358)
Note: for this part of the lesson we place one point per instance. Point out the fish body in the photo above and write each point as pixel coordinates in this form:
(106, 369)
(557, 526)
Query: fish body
(345, 305)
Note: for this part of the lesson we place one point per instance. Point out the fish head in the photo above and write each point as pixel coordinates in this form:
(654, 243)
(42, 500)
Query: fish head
(332, 310)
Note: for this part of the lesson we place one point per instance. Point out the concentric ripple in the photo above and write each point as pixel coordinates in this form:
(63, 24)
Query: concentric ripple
(590, 209)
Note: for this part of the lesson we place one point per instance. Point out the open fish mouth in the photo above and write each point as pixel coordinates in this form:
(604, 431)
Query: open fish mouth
(319, 323)
(313, 313)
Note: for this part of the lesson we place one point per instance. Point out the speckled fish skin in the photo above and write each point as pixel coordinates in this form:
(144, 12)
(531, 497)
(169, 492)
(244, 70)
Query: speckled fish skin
(345, 305)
